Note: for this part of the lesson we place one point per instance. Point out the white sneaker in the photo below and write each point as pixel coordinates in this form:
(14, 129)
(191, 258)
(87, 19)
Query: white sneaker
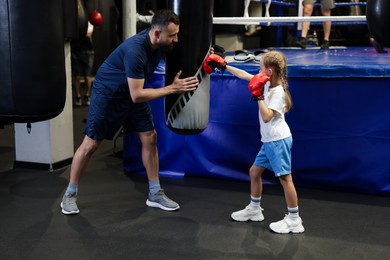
(287, 225)
(249, 213)
(87, 100)
(78, 102)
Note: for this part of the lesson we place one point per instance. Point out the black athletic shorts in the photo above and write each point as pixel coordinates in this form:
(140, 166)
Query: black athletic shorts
(106, 115)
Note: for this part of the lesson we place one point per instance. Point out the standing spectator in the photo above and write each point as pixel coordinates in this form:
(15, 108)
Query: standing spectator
(83, 56)
(308, 6)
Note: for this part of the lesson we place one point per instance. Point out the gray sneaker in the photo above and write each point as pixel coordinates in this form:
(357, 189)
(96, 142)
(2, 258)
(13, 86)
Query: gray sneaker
(68, 204)
(160, 200)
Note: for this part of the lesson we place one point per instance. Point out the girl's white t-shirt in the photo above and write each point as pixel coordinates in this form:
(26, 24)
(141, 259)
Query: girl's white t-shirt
(277, 128)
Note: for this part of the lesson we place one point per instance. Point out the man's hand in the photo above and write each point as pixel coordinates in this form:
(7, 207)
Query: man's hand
(179, 86)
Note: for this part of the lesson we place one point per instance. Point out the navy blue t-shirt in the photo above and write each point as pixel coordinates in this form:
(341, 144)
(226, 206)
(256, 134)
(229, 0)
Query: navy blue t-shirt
(131, 59)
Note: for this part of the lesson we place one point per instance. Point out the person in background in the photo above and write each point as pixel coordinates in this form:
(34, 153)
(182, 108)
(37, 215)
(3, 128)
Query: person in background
(82, 58)
(308, 6)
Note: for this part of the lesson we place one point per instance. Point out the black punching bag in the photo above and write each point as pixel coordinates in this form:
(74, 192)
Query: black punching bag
(188, 113)
(32, 60)
(378, 20)
(75, 19)
(82, 19)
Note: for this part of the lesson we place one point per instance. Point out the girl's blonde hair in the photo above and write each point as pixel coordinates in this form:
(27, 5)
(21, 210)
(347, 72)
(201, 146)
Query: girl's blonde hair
(277, 61)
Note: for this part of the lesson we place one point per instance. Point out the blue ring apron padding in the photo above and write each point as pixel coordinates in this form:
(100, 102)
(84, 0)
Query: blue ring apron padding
(340, 124)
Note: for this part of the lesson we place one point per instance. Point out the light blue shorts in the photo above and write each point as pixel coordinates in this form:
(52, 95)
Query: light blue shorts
(276, 156)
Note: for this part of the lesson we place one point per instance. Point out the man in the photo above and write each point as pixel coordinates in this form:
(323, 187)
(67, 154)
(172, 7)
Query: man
(119, 98)
(308, 6)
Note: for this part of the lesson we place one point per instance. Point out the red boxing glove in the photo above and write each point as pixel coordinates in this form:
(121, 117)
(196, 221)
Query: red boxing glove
(256, 85)
(213, 61)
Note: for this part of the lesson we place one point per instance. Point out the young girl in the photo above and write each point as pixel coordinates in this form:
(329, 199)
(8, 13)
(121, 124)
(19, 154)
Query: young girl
(275, 153)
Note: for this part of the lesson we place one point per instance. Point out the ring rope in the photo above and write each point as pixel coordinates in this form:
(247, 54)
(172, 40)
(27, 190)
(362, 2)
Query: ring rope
(337, 23)
(282, 22)
(286, 19)
(294, 4)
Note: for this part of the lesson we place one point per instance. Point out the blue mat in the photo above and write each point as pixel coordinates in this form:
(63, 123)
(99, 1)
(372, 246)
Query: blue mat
(335, 62)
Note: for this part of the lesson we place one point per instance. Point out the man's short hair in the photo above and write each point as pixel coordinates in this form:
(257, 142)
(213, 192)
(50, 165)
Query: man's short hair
(162, 18)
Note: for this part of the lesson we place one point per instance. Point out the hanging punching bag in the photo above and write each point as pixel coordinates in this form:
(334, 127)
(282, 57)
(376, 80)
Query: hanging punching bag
(75, 19)
(188, 113)
(378, 20)
(82, 19)
(32, 63)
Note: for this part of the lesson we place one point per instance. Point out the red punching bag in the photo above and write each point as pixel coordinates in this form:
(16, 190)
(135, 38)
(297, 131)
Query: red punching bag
(188, 113)
(378, 20)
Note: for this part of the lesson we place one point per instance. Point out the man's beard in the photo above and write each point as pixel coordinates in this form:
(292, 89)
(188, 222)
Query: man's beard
(168, 48)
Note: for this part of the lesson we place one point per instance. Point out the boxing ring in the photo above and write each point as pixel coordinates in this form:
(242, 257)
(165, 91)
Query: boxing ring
(280, 8)
(339, 123)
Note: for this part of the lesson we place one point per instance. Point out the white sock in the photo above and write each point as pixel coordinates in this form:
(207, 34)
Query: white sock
(293, 212)
(255, 202)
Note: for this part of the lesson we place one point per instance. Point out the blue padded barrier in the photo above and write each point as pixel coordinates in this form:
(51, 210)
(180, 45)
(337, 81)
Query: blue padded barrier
(340, 124)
